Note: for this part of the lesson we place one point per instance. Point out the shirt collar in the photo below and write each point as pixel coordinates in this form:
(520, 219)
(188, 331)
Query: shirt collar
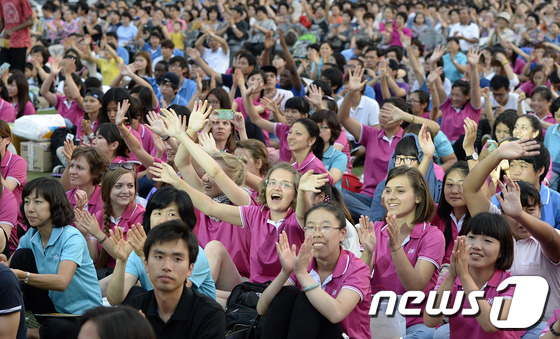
(339, 270)
(545, 194)
(184, 306)
(6, 159)
(308, 159)
(494, 281)
(55, 233)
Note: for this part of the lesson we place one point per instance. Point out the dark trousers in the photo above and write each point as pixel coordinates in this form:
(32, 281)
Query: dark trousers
(15, 57)
(291, 315)
(38, 301)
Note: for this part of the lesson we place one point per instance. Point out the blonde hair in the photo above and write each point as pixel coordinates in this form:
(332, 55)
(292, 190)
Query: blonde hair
(233, 166)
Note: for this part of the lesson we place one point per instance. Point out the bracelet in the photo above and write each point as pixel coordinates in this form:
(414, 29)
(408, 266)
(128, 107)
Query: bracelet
(412, 119)
(553, 331)
(26, 280)
(100, 242)
(505, 63)
(165, 139)
(309, 288)
(396, 249)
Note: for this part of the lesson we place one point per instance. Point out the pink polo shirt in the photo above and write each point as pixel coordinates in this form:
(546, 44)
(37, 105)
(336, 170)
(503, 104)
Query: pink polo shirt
(94, 204)
(120, 159)
(29, 109)
(7, 112)
(350, 273)
(379, 151)
(9, 214)
(452, 121)
(133, 214)
(440, 224)
(459, 324)
(281, 131)
(343, 141)
(14, 167)
(82, 137)
(311, 162)
(426, 242)
(264, 261)
(69, 110)
(147, 139)
(237, 240)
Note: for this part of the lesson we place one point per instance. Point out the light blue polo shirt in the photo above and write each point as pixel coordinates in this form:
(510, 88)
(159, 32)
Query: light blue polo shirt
(333, 158)
(550, 206)
(201, 276)
(66, 243)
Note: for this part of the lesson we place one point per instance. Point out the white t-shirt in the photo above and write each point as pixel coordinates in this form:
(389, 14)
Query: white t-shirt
(218, 60)
(469, 31)
(367, 113)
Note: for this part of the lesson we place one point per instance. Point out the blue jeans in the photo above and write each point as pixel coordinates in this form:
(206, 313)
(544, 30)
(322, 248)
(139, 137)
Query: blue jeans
(419, 331)
(357, 203)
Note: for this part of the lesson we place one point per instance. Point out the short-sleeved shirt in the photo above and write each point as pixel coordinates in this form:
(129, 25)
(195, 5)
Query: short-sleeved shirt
(366, 113)
(147, 139)
(201, 276)
(218, 60)
(311, 162)
(93, 205)
(69, 110)
(552, 142)
(333, 158)
(7, 112)
(379, 150)
(11, 300)
(343, 141)
(8, 208)
(353, 274)
(459, 324)
(196, 316)
(133, 214)
(452, 120)
(187, 90)
(264, 261)
(14, 13)
(29, 109)
(456, 226)
(14, 167)
(109, 70)
(281, 131)
(236, 239)
(66, 243)
(425, 242)
(451, 72)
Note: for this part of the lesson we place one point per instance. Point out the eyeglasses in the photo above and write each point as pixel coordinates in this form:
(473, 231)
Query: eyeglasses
(323, 229)
(324, 127)
(283, 184)
(398, 159)
(126, 165)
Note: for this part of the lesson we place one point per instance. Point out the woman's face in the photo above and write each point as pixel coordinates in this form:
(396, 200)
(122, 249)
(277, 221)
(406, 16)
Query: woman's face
(458, 98)
(453, 189)
(12, 89)
(124, 191)
(454, 16)
(211, 189)
(399, 198)
(346, 19)
(112, 110)
(326, 234)
(523, 129)
(299, 138)
(502, 132)
(39, 57)
(256, 82)
(400, 21)
(539, 78)
(419, 18)
(221, 130)
(159, 216)
(91, 104)
(37, 210)
(325, 50)
(530, 22)
(325, 132)
(141, 61)
(539, 104)
(80, 172)
(252, 166)
(416, 106)
(388, 14)
(280, 63)
(213, 101)
(280, 190)
(103, 145)
(452, 47)
(213, 15)
(484, 250)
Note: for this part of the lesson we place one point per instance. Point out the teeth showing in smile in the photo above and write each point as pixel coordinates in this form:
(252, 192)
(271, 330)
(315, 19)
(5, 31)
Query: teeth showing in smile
(276, 196)
(318, 245)
(475, 255)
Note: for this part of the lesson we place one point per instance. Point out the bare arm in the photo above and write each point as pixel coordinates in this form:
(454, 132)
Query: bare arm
(53, 282)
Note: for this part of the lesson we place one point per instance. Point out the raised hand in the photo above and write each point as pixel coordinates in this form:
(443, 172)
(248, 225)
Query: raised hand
(511, 201)
(366, 234)
(315, 96)
(461, 260)
(81, 199)
(136, 237)
(172, 122)
(121, 112)
(392, 113)
(434, 75)
(355, 79)
(286, 253)
(68, 150)
(155, 124)
(437, 54)
(473, 56)
(124, 69)
(164, 173)
(304, 257)
(425, 142)
(121, 247)
(199, 116)
(207, 142)
(405, 40)
(55, 65)
(89, 223)
(193, 53)
(238, 121)
(394, 231)
(310, 182)
(470, 135)
(268, 42)
(518, 148)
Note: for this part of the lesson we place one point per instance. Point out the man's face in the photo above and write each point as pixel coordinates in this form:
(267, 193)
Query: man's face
(464, 16)
(166, 52)
(371, 59)
(243, 65)
(154, 41)
(112, 40)
(271, 80)
(168, 265)
(501, 95)
(522, 170)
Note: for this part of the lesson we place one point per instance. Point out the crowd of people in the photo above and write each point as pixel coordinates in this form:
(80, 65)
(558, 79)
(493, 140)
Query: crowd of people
(324, 150)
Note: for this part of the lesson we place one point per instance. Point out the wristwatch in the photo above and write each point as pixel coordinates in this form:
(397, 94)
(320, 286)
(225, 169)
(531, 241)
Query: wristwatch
(473, 156)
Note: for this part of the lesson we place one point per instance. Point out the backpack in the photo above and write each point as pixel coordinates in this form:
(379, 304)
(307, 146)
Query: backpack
(242, 318)
(351, 182)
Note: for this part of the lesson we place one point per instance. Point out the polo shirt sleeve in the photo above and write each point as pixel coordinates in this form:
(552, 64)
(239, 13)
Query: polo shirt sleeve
(73, 247)
(25, 241)
(8, 209)
(17, 170)
(339, 161)
(201, 269)
(443, 145)
(432, 246)
(367, 133)
(357, 278)
(133, 265)
(248, 215)
(10, 302)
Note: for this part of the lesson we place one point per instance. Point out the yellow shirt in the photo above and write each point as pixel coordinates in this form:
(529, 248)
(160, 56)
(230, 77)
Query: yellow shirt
(109, 70)
(177, 39)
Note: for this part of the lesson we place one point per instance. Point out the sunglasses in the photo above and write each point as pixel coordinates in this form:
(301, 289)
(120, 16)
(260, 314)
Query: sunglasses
(113, 166)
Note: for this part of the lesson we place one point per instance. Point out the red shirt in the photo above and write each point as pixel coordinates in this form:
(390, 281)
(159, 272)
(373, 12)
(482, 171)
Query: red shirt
(14, 13)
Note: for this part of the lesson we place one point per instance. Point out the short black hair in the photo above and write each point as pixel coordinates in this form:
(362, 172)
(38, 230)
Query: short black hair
(251, 60)
(164, 197)
(298, 103)
(170, 231)
(51, 190)
(324, 86)
(335, 76)
(499, 81)
(541, 160)
(182, 61)
(529, 194)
